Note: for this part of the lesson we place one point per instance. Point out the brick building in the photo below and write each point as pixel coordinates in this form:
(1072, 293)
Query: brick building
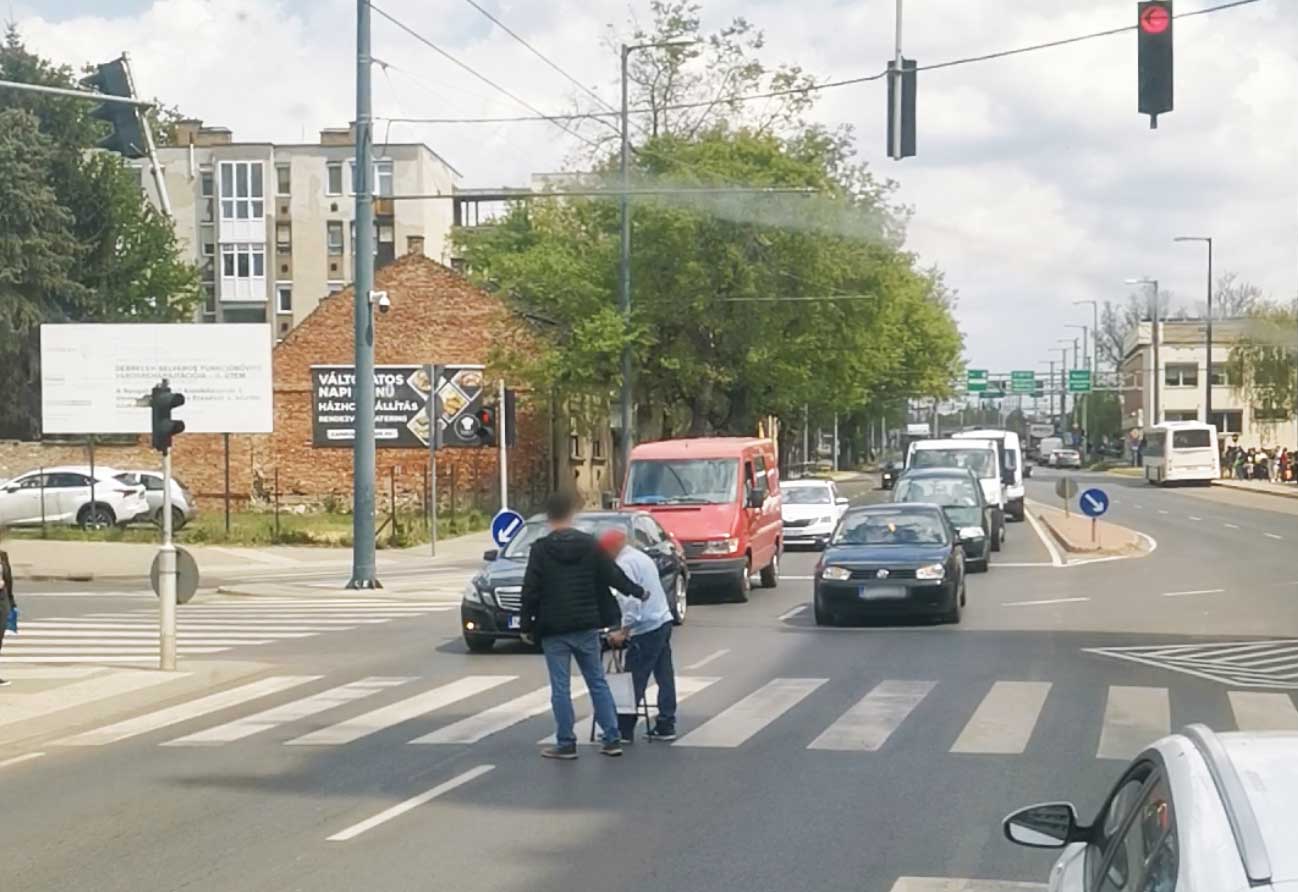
(437, 316)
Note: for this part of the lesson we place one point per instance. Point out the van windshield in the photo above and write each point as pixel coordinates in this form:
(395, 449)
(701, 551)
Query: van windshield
(687, 481)
(981, 461)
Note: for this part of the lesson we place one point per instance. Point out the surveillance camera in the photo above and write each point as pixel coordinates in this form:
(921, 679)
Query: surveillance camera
(384, 302)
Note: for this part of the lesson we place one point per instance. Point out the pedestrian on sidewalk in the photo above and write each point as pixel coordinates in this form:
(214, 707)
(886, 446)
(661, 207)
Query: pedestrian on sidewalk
(566, 602)
(647, 634)
(7, 602)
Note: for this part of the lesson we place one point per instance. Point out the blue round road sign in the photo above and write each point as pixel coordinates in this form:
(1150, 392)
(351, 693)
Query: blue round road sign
(1094, 502)
(505, 526)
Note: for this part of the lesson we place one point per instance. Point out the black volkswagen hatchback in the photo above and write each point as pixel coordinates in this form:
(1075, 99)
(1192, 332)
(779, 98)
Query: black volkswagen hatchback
(891, 559)
(493, 597)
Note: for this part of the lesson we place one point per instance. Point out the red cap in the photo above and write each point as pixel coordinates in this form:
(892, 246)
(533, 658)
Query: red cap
(612, 540)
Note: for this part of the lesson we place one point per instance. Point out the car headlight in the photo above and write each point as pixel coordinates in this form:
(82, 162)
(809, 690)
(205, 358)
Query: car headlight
(839, 573)
(720, 546)
(826, 519)
(932, 571)
(472, 592)
(971, 532)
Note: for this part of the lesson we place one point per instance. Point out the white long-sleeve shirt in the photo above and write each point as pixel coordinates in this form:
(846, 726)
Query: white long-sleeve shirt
(641, 617)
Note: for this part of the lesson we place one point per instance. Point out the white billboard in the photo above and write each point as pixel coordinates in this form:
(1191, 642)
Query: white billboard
(93, 377)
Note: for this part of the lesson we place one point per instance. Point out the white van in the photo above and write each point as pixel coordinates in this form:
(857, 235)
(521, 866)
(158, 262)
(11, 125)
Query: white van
(1013, 468)
(979, 456)
(1047, 446)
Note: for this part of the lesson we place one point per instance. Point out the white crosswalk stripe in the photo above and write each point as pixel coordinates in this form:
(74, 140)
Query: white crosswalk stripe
(686, 686)
(869, 724)
(1263, 712)
(953, 884)
(734, 725)
(1004, 720)
(1134, 717)
(498, 718)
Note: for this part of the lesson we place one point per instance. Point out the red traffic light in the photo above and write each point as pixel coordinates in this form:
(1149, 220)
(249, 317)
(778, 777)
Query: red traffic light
(1155, 19)
(487, 417)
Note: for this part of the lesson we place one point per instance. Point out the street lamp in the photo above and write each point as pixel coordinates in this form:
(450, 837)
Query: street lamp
(1157, 416)
(1095, 336)
(1051, 392)
(1063, 374)
(624, 258)
(1207, 400)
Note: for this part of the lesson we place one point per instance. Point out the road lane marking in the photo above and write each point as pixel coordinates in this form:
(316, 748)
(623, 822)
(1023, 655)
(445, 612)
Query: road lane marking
(1263, 712)
(1161, 511)
(1195, 517)
(732, 726)
(289, 712)
(499, 717)
(25, 757)
(1134, 717)
(869, 724)
(1140, 506)
(790, 614)
(22, 653)
(401, 711)
(172, 715)
(1197, 591)
(799, 578)
(1231, 526)
(716, 655)
(1000, 564)
(1043, 602)
(1004, 720)
(952, 884)
(1272, 536)
(686, 686)
(413, 802)
(1056, 558)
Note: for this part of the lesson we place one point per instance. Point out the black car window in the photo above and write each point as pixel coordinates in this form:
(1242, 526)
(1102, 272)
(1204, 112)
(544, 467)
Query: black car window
(900, 528)
(962, 492)
(33, 482)
(806, 495)
(66, 481)
(521, 545)
(1142, 855)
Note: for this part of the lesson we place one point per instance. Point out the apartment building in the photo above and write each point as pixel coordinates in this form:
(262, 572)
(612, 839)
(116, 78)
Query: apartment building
(272, 227)
(1182, 383)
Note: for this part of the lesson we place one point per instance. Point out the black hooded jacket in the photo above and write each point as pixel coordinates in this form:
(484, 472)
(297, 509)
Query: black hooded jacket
(566, 586)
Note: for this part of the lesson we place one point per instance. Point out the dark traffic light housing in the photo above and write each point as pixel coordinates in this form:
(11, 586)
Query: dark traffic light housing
(909, 81)
(127, 136)
(486, 416)
(162, 401)
(1154, 57)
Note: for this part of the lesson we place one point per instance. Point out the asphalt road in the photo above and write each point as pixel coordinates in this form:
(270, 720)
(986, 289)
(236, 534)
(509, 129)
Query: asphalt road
(837, 759)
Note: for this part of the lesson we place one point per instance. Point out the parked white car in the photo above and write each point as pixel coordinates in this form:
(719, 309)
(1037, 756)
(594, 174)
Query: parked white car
(811, 510)
(183, 506)
(62, 496)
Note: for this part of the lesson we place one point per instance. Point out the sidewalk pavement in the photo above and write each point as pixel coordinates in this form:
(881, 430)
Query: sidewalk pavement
(1287, 490)
(1073, 533)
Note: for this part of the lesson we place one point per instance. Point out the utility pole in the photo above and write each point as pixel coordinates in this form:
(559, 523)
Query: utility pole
(835, 441)
(1207, 397)
(1050, 394)
(897, 89)
(624, 267)
(806, 439)
(502, 435)
(364, 570)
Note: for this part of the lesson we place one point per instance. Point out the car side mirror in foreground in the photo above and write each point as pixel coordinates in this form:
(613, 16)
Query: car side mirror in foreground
(490, 554)
(1049, 825)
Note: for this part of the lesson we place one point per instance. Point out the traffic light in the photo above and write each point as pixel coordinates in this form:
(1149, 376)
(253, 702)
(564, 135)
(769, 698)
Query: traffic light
(162, 401)
(487, 426)
(1154, 27)
(909, 81)
(511, 428)
(127, 136)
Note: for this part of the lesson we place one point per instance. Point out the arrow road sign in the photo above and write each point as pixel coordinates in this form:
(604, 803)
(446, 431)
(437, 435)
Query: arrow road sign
(1094, 502)
(505, 526)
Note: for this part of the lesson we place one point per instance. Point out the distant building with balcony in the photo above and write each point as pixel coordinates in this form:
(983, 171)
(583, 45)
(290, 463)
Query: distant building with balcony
(272, 227)
(1182, 383)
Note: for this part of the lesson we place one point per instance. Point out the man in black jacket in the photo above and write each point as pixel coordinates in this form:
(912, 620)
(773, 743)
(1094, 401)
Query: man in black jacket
(566, 601)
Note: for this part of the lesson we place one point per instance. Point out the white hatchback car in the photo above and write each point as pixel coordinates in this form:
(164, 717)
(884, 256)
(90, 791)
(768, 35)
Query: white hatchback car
(62, 496)
(183, 506)
(811, 510)
(1196, 812)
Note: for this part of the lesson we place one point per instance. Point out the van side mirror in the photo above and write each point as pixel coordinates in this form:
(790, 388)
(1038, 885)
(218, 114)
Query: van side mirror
(756, 498)
(1027, 471)
(491, 554)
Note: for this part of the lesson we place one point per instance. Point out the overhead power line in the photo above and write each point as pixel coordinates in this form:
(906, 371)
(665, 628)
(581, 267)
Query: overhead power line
(809, 88)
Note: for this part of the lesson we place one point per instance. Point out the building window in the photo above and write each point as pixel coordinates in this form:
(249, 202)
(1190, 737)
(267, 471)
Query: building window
(1270, 414)
(206, 183)
(1224, 377)
(242, 191)
(243, 262)
(209, 301)
(284, 298)
(283, 179)
(335, 287)
(334, 186)
(574, 446)
(597, 448)
(1229, 422)
(1182, 415)
(245, 314)
(283, 237)
(1181, 375)
(383, 178)
(334, 237)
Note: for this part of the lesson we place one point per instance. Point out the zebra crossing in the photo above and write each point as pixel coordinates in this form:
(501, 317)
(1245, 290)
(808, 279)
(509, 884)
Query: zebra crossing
(205, 627)
(1003, 717)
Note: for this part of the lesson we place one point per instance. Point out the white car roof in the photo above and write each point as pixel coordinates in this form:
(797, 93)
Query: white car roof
(1268, 764)
(952, 443)
(790, 484)
(101, 471)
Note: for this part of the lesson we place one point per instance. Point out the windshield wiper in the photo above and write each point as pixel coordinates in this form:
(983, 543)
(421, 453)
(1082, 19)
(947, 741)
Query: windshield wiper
(686, 500)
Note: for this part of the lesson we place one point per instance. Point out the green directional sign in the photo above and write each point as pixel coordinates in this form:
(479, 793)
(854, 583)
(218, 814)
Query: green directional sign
(976, 380)
(992, 393)
(1079, 380)
(1023, 382)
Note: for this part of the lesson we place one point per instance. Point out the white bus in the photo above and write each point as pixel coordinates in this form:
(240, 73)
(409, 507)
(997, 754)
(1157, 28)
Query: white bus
(1178, 451)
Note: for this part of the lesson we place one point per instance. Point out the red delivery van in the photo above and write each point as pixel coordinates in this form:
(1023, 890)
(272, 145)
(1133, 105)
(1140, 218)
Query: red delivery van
(720, 498)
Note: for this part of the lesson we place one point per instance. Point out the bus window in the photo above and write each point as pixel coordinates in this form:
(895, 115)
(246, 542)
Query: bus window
(1193, 439)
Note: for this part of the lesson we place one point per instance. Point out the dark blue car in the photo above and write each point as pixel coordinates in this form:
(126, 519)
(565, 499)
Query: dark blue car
(902, 559)
(493, 597)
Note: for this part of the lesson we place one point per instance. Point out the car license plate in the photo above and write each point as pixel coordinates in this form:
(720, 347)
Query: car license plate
(882, 592)
(513, 622)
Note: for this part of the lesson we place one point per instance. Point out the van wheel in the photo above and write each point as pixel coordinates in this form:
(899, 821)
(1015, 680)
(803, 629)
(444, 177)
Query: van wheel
(744, 584)
(771, 572)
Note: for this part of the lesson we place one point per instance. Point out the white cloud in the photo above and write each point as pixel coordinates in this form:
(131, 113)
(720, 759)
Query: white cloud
(1036, 182)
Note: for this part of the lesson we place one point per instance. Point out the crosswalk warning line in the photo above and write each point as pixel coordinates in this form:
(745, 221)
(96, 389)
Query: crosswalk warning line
(182, 712)
(1003, 721)
(950, 884)
(1263, 712)
(289, 712)
(686, 686)
(869, 724)
(401, 711)
(498, 718)
(734, 725)
(1134, 717)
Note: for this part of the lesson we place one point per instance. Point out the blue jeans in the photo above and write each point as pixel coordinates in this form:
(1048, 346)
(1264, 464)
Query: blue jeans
(560, 650)
(651, 654)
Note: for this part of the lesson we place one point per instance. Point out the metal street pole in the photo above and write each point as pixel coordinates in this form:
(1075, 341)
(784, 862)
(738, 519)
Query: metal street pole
(896, 85)
(1050, 392)
(364, 571)
(1087, 363)
(1207, 399)
(835, 441)
(167, 577)
(1063, 374)
(1157, 415)
(502, 435)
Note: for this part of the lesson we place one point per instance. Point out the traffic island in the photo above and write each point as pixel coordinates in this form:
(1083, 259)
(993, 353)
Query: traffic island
(1079, 535)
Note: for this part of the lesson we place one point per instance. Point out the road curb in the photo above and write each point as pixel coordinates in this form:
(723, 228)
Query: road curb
(1244, 487)
(1136, 544)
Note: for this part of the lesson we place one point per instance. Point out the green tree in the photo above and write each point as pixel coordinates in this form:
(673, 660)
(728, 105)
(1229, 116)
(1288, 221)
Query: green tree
(1264, 360)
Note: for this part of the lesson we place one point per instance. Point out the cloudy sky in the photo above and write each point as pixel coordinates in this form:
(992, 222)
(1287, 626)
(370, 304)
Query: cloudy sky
(1037, 183)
